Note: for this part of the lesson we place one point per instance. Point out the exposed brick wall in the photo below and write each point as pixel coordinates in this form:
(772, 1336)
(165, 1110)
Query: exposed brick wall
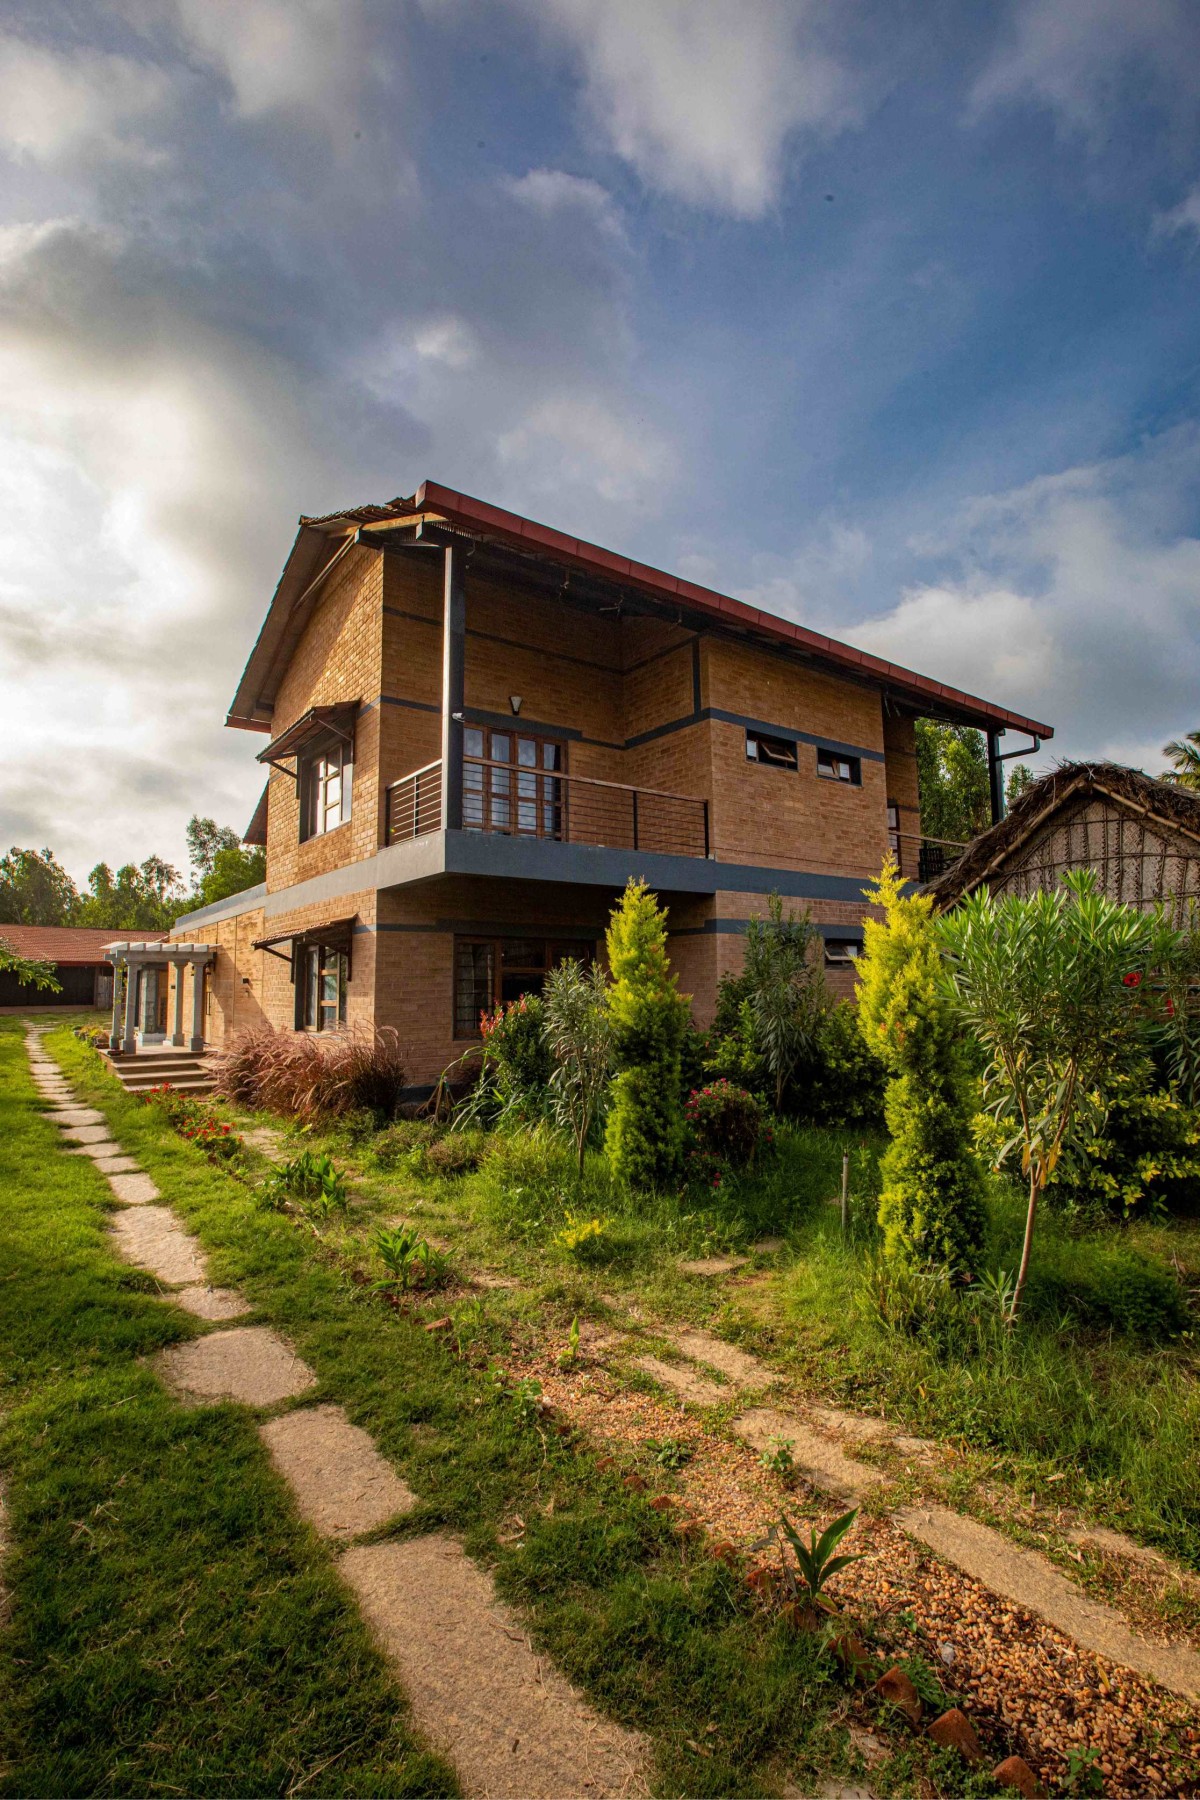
(900, 745)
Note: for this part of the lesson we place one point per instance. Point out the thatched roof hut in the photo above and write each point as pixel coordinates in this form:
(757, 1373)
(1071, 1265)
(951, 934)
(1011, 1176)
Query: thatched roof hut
(1141, 837)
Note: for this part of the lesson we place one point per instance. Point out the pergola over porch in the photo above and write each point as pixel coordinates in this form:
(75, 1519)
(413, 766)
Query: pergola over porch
(153, 953)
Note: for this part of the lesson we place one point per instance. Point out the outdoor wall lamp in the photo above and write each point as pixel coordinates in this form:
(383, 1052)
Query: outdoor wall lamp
(514, 700)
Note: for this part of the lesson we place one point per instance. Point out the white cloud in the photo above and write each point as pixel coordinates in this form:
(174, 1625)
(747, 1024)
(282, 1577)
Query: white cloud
(701, 97)
(1182, 218)
(580, 441)
(1074, 55)
(551, 191)
(57, 108)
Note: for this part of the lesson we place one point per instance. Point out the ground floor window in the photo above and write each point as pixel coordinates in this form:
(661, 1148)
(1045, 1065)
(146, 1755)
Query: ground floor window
(489, 972)
(325, 972)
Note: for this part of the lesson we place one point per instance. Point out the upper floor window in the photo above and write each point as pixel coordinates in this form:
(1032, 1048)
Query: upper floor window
(833, 766)
(764, 749)
(326, 781)
(510, 783)
(842, 953)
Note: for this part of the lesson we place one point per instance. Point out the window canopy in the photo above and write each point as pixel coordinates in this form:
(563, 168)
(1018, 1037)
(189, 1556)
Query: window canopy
(317, 722)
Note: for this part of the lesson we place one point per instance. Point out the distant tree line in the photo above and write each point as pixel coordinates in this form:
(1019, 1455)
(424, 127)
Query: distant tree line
(35, 889)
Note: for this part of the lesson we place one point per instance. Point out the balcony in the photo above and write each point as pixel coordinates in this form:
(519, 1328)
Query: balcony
(535, 803)
(927, 858)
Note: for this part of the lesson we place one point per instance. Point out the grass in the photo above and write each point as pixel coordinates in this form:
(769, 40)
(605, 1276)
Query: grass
(174, 1629)
(665, 1639)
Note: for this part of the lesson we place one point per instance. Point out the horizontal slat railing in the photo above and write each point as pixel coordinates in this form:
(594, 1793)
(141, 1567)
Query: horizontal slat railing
(415, 804)
(516, 801)
(926, 858)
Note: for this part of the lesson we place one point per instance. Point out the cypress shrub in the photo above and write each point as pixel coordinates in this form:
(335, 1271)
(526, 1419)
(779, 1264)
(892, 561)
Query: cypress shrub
(645, 1130)
(931, 1207)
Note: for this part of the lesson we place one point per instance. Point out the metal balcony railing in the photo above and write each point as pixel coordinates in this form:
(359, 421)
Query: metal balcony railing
(516, 801)
(925, 857)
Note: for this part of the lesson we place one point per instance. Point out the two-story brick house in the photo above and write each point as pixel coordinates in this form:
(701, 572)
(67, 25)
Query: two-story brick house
(479, 728)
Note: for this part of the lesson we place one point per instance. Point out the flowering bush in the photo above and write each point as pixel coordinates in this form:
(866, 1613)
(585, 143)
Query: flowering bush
(193, 1118)
(581, 1236)
(727, 1129)
(516, 1048)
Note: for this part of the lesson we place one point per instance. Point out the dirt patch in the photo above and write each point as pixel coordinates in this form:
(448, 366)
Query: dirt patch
(342, 1484)
(249, 1364)
(714, 1265)
(684, 1381)
(736, 1365)
(212, 1303)
(512, 1726)
(153, 1238)
(1026, 1577)
(132, 1188)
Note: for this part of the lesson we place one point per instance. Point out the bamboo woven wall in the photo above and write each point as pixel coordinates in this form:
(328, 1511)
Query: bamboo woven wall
(1136, 861)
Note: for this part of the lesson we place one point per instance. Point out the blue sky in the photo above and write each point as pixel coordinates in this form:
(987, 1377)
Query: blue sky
(884, 317)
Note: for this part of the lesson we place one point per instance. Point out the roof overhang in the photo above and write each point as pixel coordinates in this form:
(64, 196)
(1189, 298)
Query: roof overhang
(256, 830)
(321, 543)
(317, 722)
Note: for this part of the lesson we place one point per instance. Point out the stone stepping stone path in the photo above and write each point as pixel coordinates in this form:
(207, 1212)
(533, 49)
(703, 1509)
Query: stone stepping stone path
(342, 1485)
(737, 1366)
(1025, 1577)
(684, 1381)
(510, 1724)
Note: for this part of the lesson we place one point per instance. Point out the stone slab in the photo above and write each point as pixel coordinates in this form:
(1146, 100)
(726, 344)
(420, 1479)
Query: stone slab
(67, 1116)
(88, 1134)
(116, 1165)
(342, 1484)
(820, 1463)
(510, 1723)
(153, 1238)
(736, 1365)
(249, 1364)
(714, 1265)
(98, 1151)
(685, 1382)
(212, 1303)
(1031, 1580)
(133, 1188)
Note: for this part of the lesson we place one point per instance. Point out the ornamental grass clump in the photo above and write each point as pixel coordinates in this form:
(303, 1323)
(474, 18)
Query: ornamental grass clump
(931, 1207)
(644, 1135)
(315, 1078)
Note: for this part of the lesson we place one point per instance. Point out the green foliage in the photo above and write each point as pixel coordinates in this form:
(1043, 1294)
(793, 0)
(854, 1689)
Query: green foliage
(953, 780)
(1140, 1152)
(28, 971)
(1051, 987)
(517, 1053)
(778, 1458)
(140, 897)
(411, 1261)
(669, 1453)
(582, 1237)
(644, 1134)
(806, 1569)
(727, 1130)
(931, 1206)
(1107, 1285)
(235, 868)
(579, 1034)
(844, 1082)
(195, 1119)
(35, 889)
(396, 1142)
(1020, 779)
(1184, 756)
(449, 1153)
(312, 1178)
(784, 987)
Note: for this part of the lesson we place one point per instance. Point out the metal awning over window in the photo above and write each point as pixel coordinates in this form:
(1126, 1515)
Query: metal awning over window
(317, 722)
(338, 934)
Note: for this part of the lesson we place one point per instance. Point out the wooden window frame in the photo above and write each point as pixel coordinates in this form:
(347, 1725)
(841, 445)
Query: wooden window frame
(314, 963)
(830, 772)
(531, 793)
(771, 752)
(850, 945)
(328, 761)
(553, 951)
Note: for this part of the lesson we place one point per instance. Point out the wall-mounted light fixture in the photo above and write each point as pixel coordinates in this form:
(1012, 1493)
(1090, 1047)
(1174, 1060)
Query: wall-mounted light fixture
(514, 700)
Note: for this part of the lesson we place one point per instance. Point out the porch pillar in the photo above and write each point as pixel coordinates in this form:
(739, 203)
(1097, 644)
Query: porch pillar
(196, 1042)
(454, 636)
(114, 1035)
(129, 1041)
(177, 1026)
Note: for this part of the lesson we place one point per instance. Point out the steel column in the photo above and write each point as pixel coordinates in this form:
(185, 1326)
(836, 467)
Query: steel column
(454, 637)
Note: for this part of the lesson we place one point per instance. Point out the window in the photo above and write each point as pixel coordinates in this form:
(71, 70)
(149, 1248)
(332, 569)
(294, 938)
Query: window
(842, 953)
(326, 781)
(893, 819)
(833, 766)
(510, 785)
(764, 749)
(321, 987)
(489, 972)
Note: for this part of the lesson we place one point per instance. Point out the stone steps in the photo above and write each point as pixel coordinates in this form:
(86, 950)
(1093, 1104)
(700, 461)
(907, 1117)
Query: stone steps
(188, 1074)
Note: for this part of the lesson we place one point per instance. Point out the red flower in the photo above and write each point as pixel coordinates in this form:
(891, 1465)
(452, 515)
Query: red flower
(1170, 1007)
(1133, 979)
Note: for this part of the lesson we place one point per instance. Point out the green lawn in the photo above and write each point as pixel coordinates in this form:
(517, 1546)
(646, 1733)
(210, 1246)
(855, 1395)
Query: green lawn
(658, 1634)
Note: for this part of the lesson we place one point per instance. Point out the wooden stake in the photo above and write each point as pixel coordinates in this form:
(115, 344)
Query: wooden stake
(845, 1190)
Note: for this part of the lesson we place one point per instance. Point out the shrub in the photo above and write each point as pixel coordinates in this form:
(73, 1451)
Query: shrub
(310, 1176)
(784, 989)
(644, 1136)
(1144, 1151)
(194, 1119)
(931, 1203)
(843, 1083)
(1111, 1286)
(582, 1237)
(579, 1033)
(411, 1261)
(516, 1048)
(727, 1124)
(397, 1142)
(453, 1153)
(310, 1077)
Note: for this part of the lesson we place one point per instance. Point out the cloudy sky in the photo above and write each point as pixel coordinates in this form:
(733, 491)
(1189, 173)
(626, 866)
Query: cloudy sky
(885, 317)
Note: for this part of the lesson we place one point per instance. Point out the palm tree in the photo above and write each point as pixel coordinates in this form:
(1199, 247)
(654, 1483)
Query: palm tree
(1185, 754)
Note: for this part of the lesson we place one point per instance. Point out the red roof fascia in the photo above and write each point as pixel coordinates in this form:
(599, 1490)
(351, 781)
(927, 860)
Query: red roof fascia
(480, 515)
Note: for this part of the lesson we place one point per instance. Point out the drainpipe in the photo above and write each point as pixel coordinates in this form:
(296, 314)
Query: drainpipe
(454, 637)
(996, 775)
